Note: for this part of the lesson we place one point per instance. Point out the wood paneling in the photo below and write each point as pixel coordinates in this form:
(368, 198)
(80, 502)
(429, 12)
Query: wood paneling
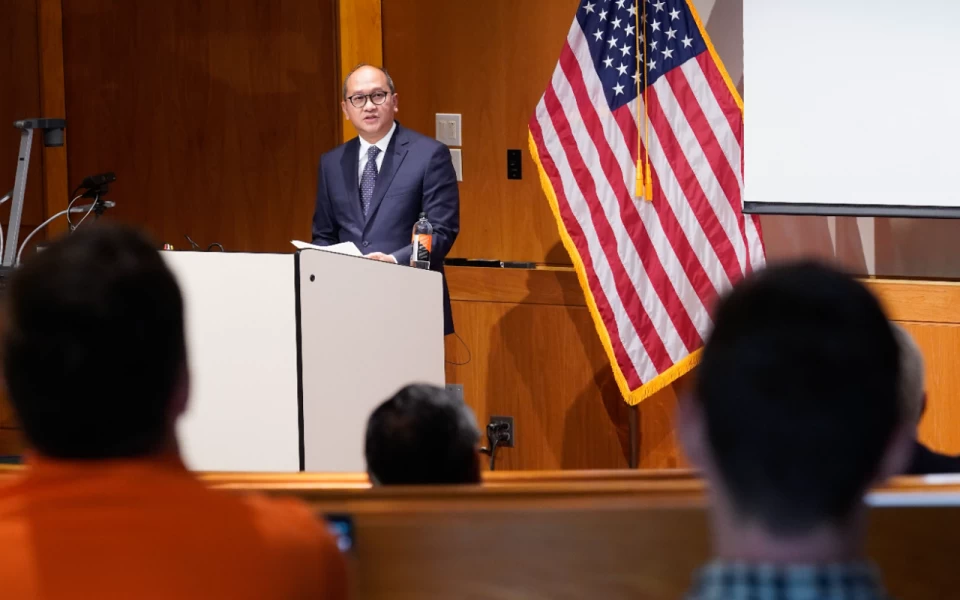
(53, 105)
(918, 300)
(212, 114)
(534, 355)
(361, 41)
(491, 66)
(20, 74)
(940, 344)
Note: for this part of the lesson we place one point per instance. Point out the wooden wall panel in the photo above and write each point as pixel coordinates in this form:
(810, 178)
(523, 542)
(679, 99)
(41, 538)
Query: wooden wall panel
(491, 66)
(536, 357)
(361, 41)
(20, 74)
(52, 105)
(940, 344)
(212, 114)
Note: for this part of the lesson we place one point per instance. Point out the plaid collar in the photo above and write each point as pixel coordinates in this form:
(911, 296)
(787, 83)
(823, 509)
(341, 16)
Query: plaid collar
(743, 581)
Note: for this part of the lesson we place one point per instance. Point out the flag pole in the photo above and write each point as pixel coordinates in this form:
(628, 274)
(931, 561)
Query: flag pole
(644, 174)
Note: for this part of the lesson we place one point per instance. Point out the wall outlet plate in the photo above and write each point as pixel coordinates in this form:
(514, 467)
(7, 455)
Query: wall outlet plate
(448, 129)
(513, 434)
(456, 157)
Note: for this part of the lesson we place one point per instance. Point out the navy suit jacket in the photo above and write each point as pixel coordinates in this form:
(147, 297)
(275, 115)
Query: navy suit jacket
(416, 176)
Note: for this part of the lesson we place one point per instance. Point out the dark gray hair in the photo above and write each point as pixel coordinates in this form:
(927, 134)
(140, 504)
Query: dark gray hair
(912, 384)
(422, 435)
(393, 88)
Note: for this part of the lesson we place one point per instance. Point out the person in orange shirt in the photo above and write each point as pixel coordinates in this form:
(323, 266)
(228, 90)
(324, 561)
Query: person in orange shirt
(95, 362)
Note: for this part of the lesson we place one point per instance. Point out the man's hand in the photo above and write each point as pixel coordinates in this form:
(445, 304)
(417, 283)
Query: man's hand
(382, 257)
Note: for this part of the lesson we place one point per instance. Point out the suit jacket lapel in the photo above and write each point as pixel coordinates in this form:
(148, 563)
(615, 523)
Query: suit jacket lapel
(350, 162)
(396, 152)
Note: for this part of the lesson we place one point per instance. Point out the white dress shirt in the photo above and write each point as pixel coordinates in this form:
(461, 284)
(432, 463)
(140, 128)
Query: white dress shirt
(382, 144)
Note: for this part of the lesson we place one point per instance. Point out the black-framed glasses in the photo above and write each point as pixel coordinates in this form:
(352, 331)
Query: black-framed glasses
(360, 100)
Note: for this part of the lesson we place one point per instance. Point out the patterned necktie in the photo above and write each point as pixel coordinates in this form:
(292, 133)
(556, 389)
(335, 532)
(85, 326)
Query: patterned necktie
(369, 179)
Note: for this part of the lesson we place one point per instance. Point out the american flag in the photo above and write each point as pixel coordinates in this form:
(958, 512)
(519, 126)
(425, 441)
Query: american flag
(632, 71)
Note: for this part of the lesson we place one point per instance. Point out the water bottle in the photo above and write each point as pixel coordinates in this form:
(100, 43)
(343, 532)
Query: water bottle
(422, 243)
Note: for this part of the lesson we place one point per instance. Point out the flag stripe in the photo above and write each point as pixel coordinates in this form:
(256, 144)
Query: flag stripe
(629, 217)
(727, 125)
(711, 154)
(577, 236)
(651, 268)
(719, 124)
(699, 204)
(725, 101)
(662, 233)
(638, 306)
(691, 263)
(692, 155)
(682, 213)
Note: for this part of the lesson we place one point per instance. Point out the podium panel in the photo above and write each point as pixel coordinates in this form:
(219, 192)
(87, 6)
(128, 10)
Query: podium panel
(242, 350)
(366, 328)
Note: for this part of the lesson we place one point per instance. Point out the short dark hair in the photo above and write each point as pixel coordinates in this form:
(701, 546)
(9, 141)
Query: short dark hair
(799, 387)
(94, 345)
(422, 435)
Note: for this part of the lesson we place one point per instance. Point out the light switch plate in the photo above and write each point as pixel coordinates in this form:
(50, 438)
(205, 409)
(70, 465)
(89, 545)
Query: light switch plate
(448, 129)
(457, 158)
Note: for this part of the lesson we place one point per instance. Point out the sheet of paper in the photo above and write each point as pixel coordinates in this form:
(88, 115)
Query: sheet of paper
(348, 248)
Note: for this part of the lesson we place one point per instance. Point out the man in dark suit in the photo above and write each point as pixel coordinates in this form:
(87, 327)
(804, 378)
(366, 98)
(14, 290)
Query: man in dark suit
(372, 189)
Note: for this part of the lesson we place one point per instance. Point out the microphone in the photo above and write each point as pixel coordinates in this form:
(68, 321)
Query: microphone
(98, 180)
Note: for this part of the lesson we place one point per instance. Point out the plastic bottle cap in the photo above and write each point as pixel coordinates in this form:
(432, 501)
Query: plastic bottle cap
(423, 215)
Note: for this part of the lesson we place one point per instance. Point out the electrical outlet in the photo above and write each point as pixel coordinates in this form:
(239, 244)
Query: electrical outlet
(509, 429)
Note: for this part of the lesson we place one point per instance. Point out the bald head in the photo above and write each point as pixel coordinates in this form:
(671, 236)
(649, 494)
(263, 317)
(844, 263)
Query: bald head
(370, 102)
(386, 77)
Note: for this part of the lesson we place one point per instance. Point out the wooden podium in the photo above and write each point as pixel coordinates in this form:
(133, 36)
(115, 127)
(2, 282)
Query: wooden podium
(290, 353)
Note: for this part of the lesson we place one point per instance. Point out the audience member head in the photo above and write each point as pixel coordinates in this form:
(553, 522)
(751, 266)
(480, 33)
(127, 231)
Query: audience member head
(796, 410)
(422, 435)
(913, 391)
(93, 348)
(370, 101)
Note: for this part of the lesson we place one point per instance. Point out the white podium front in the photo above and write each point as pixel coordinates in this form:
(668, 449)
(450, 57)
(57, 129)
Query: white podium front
(285, 368)
(368, 328)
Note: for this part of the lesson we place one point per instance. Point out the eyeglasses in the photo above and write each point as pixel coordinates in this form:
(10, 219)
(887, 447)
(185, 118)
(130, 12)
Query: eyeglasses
(360, 100)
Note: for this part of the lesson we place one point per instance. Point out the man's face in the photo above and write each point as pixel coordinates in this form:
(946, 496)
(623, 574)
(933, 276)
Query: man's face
(373, 121)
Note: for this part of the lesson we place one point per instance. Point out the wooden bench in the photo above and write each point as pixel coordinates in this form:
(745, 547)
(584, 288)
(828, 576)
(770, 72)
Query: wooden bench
(629, 537)
(605, 534)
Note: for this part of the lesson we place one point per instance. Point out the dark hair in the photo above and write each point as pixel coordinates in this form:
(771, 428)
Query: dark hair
(94, 345)
(422, 435)
(799, 386)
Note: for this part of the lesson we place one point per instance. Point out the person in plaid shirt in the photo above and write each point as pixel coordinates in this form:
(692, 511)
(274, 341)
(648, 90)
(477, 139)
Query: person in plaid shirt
(794, 415)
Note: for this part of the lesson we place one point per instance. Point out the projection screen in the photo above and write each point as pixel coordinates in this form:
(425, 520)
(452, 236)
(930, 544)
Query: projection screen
(852, 107)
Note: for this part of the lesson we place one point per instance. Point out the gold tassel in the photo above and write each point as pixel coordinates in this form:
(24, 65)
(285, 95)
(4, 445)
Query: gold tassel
(641, 182)
(648, 184)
